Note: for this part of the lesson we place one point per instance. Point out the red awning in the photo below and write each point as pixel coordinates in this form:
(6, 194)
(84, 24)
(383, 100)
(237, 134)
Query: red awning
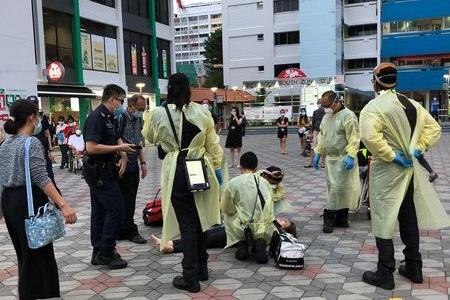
(291, 73)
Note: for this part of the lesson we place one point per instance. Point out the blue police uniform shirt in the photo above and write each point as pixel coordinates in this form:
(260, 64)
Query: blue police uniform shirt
(101, 128)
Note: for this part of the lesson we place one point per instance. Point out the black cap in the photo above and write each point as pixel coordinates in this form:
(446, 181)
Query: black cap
(33, 98)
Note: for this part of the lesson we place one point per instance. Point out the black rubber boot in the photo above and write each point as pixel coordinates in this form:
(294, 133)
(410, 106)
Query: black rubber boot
(412, 270)
(341, 218)
(181, 284)
(242, 251)
(260, 252)
(328, 220)
(383, 277)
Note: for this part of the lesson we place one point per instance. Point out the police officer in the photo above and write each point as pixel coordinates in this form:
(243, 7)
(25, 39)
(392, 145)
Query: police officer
(101, 171)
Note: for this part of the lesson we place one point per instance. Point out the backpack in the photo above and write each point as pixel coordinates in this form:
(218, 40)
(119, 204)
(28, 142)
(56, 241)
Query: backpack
(286, 251)
(152, 213)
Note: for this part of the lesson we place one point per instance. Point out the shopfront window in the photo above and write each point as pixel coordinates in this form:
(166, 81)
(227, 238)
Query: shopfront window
(164, 58)
(137, 53)
(99, 47)
(417, 25)
(58, 37)
(162, 11)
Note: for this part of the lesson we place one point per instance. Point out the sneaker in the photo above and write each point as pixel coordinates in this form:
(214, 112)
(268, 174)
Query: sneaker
(179, 283)
(138, 239)
(114, 262)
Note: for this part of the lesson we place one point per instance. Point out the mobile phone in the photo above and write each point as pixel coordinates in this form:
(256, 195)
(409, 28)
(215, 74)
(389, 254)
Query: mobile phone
(137, 147)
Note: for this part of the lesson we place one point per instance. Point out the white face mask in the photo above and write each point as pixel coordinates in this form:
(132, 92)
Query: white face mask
(329, 110)
(205, 106)
(78, 132)
(303, 113)
(37, 128)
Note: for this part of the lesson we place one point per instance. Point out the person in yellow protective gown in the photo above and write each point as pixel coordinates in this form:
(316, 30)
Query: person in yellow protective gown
(397, 130)
(339, 141)
(243, 205)
(185, 212)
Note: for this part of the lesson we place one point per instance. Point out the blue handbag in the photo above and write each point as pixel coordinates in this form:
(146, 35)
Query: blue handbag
(48, 224)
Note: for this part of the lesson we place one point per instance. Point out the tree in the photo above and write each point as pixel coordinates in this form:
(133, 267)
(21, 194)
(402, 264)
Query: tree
(214, 60)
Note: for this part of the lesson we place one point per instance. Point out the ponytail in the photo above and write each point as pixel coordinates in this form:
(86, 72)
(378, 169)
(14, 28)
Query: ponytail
(20, 111)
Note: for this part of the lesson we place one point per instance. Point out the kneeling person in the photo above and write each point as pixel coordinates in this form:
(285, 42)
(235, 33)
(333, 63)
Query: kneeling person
(247, 201)
(339, 141)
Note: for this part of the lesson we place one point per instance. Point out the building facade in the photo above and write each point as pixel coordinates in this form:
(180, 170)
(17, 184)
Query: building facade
(192, 26)
(416, 37)
(95, 43)
(260, 39)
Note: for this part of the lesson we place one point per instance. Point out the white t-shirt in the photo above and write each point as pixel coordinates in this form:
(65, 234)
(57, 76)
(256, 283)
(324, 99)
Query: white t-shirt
(77, 142)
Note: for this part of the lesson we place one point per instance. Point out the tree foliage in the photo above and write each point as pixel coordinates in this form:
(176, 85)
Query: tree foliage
(214, 60)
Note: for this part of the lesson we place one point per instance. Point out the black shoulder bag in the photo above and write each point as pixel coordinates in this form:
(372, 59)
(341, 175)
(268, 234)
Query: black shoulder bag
(196, 175)
(248, 233)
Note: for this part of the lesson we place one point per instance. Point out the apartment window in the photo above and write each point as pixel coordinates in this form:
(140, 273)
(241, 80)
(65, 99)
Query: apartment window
(58, 37)
(164, 58)
(361, 30)
(137, 53)
(417, 25)
(260, 68)
(110, 3)
(136, 7)
(280, 68)
(360, 64)
(259, 5)
(162, 11)
(98, 46)
(285, 5)
(203, 17)
(260, 37)
(358, 1)
(287, 38)
(216, 16)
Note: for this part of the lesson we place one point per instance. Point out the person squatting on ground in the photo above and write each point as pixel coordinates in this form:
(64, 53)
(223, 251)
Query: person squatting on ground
(185, 212)
(234, 136)
(37, 269)
(247, 203)
(130, 122)
(397, 130)
(339, 141)
(101, 171)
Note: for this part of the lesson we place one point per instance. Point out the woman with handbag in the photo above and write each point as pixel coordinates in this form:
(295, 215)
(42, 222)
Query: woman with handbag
(38, 272)
(185, 132)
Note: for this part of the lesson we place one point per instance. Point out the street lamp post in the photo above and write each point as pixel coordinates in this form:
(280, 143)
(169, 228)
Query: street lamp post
(234, 95)
(140, 86)
(214, 90)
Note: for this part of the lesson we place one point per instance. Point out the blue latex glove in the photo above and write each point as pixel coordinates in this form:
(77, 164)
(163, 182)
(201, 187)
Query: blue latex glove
(219, 176)
(401, 160)
(316, 161)
(348, 162)
(417, 153)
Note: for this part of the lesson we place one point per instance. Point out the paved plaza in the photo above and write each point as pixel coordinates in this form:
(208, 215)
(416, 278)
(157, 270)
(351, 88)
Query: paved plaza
(334, 263)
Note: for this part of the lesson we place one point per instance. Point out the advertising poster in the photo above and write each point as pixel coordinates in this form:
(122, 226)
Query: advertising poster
(273, 113)
(134, 68)
(144, 61)
(164, 63)
(254, 113)
(98, 52)
(2, 100)
(86, 52)
(111, 55)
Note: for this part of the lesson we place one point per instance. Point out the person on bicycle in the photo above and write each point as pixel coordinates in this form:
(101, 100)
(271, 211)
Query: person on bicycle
(339, 141)
(398, 130)
(76, 145)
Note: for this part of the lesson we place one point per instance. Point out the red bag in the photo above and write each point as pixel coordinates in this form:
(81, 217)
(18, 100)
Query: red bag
(152, 213)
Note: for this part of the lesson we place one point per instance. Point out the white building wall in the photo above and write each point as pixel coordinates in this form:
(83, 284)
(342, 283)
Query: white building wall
(17, 55)
(243, 53)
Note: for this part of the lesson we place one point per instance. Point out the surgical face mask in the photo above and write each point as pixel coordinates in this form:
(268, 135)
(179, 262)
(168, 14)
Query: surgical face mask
(329, 110)
(303, 113)
(119, 111)
(138, 114)
(205, 106)
(78, 132)
(60, 122)
(37, 128)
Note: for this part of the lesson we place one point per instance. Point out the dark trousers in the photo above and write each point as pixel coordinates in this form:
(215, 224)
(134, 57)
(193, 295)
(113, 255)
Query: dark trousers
(106, 216)
(64, 155)
(424, 163)
(38, 272)
(195, 257)
(129, 184)
(216, 237)
(409, 234)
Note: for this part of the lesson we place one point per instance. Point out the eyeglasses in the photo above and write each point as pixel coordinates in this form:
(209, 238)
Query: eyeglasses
(121, 100)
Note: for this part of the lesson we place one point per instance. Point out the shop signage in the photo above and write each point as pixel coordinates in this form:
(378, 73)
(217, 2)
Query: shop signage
(9, 100)
(2, 99)
(164, 63)
(144, 61)
(55, 71)
(98, 52)
(291, 73)
(4, 115)
(111, 55)
(134, 67)
(86, 51)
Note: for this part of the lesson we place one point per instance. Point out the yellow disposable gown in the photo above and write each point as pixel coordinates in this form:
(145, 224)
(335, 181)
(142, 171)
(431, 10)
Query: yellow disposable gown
(206, 143)
(339, 137)
(384, 130)
(237, 204)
